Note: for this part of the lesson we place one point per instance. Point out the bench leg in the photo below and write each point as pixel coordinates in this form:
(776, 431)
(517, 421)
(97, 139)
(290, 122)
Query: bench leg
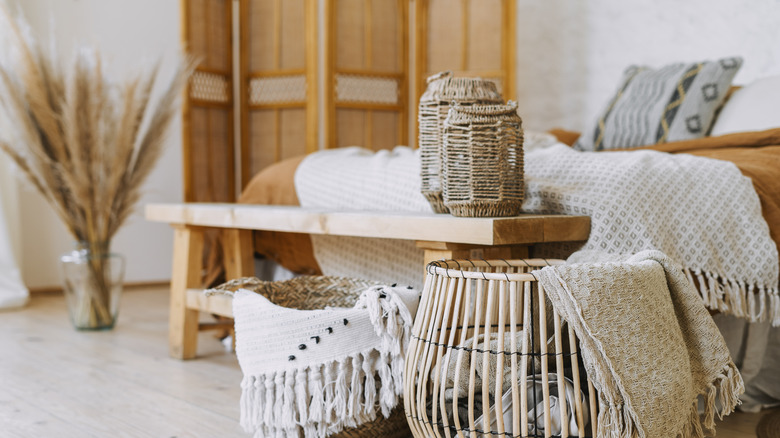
(187, 265)
(238, 249)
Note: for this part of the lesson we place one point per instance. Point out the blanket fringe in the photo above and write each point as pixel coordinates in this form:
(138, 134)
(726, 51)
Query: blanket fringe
(323, 399)
(616, 422)
(756, 303)
(721, 398)
(296, 399)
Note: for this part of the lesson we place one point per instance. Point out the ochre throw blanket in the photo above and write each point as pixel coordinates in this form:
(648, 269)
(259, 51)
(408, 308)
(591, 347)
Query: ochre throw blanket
(648, 344)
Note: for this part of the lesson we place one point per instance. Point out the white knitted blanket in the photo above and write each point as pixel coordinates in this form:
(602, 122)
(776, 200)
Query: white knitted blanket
(648, 343)
(701, 212)
(314, 372)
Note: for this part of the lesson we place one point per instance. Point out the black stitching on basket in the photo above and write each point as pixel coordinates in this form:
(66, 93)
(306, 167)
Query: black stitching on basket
(302, 347)
(316, 339)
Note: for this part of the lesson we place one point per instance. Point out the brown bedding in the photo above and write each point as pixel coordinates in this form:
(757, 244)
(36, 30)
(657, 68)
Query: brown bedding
(756, 154)
(275, 185)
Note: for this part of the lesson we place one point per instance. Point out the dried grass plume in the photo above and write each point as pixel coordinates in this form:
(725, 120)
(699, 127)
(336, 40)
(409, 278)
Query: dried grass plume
(84, 140)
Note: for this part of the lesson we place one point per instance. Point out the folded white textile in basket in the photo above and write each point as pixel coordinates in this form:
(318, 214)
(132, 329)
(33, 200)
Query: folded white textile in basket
(648, 344)
(315, 372)
(701, 212)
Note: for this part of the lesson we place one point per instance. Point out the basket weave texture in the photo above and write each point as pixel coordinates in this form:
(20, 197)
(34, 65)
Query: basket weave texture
(318, 292)
(305, 292)
(490, 356)
(483, 161)
(443, 90)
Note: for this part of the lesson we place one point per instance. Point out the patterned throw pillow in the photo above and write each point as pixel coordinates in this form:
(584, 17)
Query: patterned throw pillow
(672, 103)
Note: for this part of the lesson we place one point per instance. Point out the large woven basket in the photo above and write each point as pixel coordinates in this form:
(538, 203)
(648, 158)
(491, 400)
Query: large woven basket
(444, 89)
(490, 357)
(318, 292)
(483, 161)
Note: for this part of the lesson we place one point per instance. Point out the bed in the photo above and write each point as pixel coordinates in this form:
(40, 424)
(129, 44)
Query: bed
(746, 133)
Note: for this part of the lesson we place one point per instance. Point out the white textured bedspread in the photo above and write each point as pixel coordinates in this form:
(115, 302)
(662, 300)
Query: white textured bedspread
(701, 212)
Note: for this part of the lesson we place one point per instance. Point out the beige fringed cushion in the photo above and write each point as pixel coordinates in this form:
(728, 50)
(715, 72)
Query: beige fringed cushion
(651, 106)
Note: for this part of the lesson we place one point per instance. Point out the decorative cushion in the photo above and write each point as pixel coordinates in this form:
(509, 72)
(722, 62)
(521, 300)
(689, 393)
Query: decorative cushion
(754, 107)
(675, 102)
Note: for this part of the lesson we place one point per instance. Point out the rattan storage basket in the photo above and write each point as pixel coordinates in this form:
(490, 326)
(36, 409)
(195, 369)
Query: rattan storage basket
(486, 359)
(483, 161)
(444, 89)
(319, 292)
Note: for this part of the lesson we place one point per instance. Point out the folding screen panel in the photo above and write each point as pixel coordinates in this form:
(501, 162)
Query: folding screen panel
(208, 105)
(469, 37)
(366, 79)
(365, 63)
(278, 81)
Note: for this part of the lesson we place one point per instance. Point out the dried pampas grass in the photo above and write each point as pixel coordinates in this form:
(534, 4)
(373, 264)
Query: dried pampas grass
(85, 141)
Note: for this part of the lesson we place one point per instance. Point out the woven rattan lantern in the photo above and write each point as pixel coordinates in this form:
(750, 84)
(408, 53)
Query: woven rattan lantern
(483, 161)
(444, 89)
(486, 359)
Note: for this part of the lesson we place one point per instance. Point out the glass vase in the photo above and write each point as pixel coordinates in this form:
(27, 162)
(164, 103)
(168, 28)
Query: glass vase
(92, 279)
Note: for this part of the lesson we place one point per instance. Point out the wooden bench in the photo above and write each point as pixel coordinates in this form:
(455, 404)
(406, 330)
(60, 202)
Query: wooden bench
(440, 236)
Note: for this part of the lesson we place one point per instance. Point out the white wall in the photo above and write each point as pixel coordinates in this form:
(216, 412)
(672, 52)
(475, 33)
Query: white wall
(571, 53)
(130, 35)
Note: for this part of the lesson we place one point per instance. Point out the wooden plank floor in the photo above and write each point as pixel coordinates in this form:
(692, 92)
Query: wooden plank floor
(58, 382)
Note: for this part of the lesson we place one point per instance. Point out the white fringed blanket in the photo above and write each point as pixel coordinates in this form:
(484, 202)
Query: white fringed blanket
(701, 212)
(649, 345)
(314, 372)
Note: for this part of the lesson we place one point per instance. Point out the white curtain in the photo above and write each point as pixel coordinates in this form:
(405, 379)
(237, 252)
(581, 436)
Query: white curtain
(13, 293)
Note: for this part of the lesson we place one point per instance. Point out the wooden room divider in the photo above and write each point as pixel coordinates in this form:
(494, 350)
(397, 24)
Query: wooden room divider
(207, 123)
(366, 73)
(278, 86)
(357, 52)
(469, 37)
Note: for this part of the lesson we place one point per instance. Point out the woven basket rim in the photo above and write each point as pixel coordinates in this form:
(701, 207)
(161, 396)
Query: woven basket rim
(271, 288)
(460, 268)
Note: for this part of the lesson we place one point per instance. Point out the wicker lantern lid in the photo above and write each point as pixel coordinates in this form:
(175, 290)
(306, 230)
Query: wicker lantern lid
(481, 114)
(444, 87)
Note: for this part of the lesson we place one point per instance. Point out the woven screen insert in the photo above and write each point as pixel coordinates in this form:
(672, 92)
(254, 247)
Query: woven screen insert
(353, 88)
(209, 87)
(277, 90)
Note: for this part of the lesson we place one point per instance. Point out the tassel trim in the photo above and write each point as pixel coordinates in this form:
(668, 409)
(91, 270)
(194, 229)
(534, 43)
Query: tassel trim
(721, 398)
(756, 303)
(323, 399)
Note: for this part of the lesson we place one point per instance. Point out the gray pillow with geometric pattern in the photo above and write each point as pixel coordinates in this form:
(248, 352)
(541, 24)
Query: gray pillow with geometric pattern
(651, 106)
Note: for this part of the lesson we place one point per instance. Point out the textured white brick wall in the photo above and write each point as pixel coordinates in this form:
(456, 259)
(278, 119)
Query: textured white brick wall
(571, 54)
